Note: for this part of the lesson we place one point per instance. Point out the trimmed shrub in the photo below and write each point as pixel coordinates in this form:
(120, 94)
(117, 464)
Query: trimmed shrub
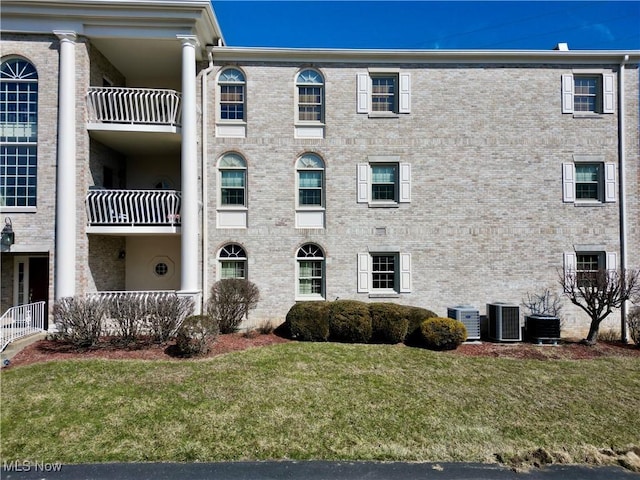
(633, 319)
(415, 317)
(389, 322)
(442, 333)
(308, 322)
(195, 333)
(230, 302)
(349, 321)
(79, 320)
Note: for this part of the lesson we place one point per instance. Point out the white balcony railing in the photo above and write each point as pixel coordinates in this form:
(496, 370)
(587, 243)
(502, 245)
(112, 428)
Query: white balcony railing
(20, 321)
(143, 295)
(147, 106)
(133, 207)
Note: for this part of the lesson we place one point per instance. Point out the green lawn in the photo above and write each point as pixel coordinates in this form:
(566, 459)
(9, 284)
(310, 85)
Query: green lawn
(317, 401)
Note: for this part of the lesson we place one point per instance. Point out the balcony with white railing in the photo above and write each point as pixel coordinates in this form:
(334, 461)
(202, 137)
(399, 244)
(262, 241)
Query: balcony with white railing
(134, 109)
(133, 211)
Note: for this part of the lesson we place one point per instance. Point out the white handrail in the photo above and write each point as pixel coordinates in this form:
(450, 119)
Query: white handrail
(20, 321)
(133, 207)
(149, 106)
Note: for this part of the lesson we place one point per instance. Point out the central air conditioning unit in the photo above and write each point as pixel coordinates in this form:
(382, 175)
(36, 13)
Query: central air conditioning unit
(504, 322)
(541, 328)
(470, 317)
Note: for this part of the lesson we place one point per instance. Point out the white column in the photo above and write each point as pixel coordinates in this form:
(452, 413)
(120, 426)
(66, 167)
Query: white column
(189, 169)
(65, 254)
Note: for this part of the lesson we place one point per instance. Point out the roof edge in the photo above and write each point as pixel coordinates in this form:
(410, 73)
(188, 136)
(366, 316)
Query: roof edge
(399, 55)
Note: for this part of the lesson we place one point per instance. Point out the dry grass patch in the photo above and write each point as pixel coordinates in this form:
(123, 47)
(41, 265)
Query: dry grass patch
(318, 401)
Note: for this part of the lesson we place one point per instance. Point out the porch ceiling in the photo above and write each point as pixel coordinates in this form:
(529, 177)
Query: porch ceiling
(145, 63)
(147, 143)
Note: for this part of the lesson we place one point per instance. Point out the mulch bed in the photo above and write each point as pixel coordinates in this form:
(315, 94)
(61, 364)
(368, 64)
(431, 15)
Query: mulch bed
(565, 350)
(47, 350)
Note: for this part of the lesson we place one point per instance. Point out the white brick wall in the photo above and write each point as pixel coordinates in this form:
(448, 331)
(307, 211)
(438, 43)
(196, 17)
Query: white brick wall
(486, 222)
(486, 143)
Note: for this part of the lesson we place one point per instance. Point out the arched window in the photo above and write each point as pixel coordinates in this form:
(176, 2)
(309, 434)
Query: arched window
(310, 272)
(233, 180)
(19, 133)
(310, 169)
(231, 84)
(310, 85)
(232, 261)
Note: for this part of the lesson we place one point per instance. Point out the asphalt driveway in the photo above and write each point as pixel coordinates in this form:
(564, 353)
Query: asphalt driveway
(312, 470)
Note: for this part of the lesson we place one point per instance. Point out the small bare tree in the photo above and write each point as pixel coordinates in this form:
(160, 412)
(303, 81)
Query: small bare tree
(599, 292)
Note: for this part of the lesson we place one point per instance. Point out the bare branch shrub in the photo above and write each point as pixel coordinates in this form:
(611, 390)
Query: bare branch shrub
(599, 293)
(130, 314)
(79, 320)
(230, 302)
(166, 314)
(544, 303)
(633, 320)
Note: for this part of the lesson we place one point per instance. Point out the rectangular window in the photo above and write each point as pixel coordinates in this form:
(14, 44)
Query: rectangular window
(585, 98)
(18, 175)
(232, 269)
(383, 94)
(232, 187)
(310, 103)
(383, 91)
(587, 267)
(232, 102)
(587, 182)
(588, 93)
(384, 184)
(383, 272)
(310, 277)
(310, 188)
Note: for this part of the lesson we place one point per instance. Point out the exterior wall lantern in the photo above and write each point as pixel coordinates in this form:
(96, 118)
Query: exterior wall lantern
(8, 237)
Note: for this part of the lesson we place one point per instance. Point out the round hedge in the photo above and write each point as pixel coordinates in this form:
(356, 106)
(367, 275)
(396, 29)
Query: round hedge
(442, 333)
(415, 317)
(308, 321)
(389, 322)
(349, 321)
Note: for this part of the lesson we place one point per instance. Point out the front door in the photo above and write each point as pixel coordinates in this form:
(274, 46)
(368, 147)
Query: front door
(31, 282)
(39, 283)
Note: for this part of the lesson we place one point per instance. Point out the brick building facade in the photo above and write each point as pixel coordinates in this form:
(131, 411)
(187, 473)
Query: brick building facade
(428, 178)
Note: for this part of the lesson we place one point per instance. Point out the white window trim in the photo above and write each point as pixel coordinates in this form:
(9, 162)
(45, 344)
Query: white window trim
(297, 85)
(402, 274)
(313, 296)
(230, 128)
(220, 260)
(219, 118)
(570, 259)
(364, 91)
(607, 182)
(364, 185)
(607, 93)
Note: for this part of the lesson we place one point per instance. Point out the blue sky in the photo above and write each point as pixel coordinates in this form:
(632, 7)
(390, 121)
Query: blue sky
(539, 25)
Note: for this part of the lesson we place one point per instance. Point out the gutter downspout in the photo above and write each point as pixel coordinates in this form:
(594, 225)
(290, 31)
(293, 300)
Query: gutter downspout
(205, 191)
(622, 193)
